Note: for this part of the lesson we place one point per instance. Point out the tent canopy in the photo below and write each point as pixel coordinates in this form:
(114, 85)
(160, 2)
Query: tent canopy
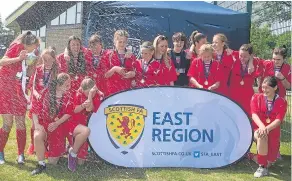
(145, 20)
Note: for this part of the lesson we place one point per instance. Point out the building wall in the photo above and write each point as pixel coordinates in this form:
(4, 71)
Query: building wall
(58, 36)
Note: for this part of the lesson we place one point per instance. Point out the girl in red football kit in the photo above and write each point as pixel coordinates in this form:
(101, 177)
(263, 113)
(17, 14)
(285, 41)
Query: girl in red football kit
(49, 114)
(13, 103)
(197, 40)
(148, 72)
(167, 68)
(225, 62)
(118, 65)
(78, 65)
(204, 72)
(241, 83)
(77, 124)
(279, 68)
(40, 81)
(268, 111)
(93, 53)
(226, 58)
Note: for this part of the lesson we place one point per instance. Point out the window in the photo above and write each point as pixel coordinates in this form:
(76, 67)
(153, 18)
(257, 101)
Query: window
(55, 21)
(38, 33)
(71, 15)
(43, 31)
(78, 14)
(63, 18)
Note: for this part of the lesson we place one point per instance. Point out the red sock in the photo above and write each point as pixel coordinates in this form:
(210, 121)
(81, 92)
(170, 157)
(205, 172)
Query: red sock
(263, 160)
(21, 140)
(3, 139)
(31, 135)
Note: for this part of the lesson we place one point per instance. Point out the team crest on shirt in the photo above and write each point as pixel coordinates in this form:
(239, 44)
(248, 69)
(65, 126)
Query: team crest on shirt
(125, 125)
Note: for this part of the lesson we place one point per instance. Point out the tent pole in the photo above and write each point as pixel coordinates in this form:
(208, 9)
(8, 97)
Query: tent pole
(249, 11)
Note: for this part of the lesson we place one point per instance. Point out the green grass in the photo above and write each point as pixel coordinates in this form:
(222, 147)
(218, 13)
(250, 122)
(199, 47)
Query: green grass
(93, 171)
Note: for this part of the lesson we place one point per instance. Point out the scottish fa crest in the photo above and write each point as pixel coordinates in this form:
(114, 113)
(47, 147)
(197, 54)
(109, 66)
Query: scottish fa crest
(125, 125)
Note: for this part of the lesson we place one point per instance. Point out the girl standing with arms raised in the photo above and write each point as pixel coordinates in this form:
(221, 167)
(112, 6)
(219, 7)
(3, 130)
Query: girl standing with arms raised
(13, 103)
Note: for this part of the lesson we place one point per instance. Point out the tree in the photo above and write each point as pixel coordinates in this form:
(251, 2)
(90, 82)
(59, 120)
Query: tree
(6, 37)
(262, 40)
(272, 11)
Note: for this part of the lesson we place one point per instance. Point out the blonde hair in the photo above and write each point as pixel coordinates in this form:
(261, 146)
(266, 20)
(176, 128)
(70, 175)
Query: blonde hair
(122, 33)
(222, 38)
(87, 83)
(156, 41)
(206, 48)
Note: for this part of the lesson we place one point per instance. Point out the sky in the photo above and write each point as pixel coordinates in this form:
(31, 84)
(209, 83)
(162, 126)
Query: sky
(8, 7)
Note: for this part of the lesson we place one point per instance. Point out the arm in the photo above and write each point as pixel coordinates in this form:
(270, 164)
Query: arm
(273, 125)
(63, 119)
(214, 86)
(130, 74)
(257, 120)
(79, 108)
(195, 82)
(7, 61)
(285, 83)
(110, 72)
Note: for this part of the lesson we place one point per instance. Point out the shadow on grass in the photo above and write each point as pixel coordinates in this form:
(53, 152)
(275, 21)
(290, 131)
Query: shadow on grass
(281, 170)
(97, 170)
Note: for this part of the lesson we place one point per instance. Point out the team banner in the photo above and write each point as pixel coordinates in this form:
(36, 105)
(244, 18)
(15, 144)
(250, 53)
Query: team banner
(170, 127)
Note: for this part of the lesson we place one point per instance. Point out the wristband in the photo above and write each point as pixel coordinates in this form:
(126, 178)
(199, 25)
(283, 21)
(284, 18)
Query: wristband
(283, 79)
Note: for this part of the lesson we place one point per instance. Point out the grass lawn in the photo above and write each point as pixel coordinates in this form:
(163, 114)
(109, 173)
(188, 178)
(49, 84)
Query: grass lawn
(93, 171)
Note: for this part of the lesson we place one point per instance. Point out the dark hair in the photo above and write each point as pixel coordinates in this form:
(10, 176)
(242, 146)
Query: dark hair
(247, 47)
(179, 36)
(81, 65)
(59, 81)
(196, 37)
(95, 38)
(272, 82)
(27, 39)
(281, 51)
(147, 45)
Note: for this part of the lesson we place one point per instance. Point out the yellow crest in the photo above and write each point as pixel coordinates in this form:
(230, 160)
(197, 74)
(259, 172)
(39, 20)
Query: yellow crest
(125, 124)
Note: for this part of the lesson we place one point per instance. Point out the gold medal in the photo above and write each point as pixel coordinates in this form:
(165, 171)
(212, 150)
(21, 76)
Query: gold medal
(268, 120)
(94, 75)
(206, 82)
(242, 82)
(142, 81)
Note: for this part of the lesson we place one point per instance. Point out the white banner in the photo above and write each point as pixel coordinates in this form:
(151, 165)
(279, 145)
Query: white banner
(170, 127)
